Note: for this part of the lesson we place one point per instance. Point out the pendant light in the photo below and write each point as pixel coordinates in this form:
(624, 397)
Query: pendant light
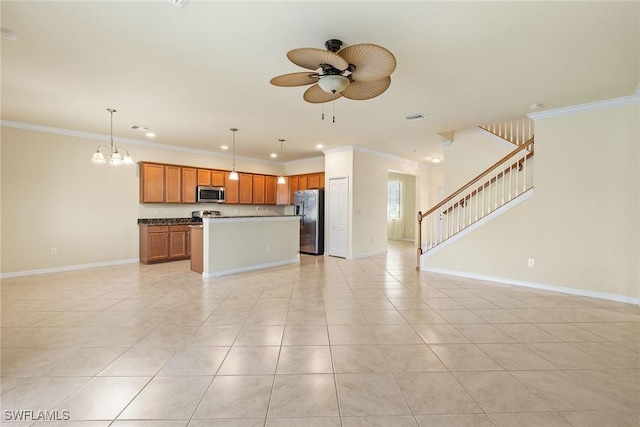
(113, 152)
(281, 179)
(233, 176)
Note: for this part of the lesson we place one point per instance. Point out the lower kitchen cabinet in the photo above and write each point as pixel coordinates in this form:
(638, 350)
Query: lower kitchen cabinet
(162, 243)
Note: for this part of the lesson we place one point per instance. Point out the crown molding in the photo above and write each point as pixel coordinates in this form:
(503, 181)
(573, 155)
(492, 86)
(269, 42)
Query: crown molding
(591, 106)
(120, 140)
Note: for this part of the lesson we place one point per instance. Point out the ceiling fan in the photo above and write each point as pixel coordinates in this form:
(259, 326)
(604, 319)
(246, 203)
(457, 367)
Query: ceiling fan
(358, 72)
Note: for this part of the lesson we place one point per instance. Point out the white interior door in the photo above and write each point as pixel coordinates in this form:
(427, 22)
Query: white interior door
(338, 216)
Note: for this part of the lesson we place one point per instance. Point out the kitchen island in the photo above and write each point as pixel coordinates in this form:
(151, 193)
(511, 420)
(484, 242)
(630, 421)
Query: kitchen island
(233, 244)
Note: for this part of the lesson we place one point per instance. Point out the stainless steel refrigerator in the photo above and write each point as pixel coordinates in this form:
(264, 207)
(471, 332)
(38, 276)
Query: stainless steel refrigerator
(309, 204)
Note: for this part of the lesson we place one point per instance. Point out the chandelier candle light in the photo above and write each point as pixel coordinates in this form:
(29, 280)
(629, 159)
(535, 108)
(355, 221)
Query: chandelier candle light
(113, 152)
(233, 176)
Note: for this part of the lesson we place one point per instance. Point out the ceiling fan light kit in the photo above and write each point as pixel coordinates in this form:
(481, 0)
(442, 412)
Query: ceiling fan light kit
(333, 83)
(357, 72)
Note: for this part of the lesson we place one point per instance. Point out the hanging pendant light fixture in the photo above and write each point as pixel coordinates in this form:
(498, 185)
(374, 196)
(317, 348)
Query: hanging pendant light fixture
(114, 153)
(233, 176)
(281, 178)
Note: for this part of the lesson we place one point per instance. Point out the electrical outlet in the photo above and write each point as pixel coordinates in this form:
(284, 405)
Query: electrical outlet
(532, 262)
(54, 251)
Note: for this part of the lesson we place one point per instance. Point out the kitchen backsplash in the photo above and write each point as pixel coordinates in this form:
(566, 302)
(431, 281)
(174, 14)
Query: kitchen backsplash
(184, 211)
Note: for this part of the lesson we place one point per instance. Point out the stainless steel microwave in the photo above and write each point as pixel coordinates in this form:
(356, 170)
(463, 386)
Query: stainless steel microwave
(206, 194)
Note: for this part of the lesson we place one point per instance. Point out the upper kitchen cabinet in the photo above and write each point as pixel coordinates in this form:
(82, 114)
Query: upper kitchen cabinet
(303, 182)
(161, 183)
(245, 188)
(231, 190)
(217, 178)
(189, 183)
(204, 177)
(293, 187)
(152, 183)
(173, 184)
(259, 187)
(282, 192)
(270, 189)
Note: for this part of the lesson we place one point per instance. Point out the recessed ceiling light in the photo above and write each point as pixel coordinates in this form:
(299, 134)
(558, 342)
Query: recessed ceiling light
(319, 146)
(150, 134)
(273, 155)
(535, 106)
(412, 117)
(436, 160)
(224, 147)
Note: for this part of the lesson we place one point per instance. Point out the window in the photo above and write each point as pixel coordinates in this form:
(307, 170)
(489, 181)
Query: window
(393, 200)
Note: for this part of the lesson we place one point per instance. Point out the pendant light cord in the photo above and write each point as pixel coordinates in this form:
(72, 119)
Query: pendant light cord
(234, 147)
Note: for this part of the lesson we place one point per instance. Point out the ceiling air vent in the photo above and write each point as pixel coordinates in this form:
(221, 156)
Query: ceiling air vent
(414, 117)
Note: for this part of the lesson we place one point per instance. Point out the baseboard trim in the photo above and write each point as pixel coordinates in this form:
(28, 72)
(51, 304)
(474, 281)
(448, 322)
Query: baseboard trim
(251, 268)
(369, 254)
(535, 285)
(68, 268)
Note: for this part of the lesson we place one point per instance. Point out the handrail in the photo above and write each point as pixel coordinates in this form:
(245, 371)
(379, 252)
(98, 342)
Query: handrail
(480, 175)
(486, 180)
(481, 187)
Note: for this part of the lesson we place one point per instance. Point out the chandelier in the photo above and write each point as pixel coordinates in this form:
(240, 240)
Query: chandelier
(114, 153)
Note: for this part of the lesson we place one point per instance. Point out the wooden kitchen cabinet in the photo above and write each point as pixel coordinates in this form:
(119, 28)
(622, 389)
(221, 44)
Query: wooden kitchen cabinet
(173, 184)
(303, 182)
(231, 191)
(162, 243)
(259, 187)
(214, 178)
(217, 178)
(179, 247)
(245, 188)
(189, 183)
(293, 187)
(151, 183)
(270, 190)
(314, 181)
(204, 177)
(282, 192)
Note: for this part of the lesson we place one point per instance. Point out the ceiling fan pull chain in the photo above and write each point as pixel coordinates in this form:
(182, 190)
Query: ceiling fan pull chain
(334, 111)
(322, 111)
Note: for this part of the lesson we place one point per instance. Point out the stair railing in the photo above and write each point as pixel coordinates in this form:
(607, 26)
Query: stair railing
(496, 186)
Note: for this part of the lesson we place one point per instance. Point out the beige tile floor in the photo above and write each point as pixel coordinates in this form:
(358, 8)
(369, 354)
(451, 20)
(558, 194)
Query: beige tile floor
(329, 342)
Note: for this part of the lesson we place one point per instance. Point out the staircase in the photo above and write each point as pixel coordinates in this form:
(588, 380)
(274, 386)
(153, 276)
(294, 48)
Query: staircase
(499, 187)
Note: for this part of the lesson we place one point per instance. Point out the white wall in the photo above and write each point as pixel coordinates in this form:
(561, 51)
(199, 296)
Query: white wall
(369, 199)
(339, 164)
(368, 173)
(471, 152)
(53, 196)
(582, 226)
(299, 167)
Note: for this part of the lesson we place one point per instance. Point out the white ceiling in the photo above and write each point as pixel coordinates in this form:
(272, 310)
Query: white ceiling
(191, 73)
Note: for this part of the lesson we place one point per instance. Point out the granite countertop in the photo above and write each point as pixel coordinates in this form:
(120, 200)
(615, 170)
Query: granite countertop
(169, 221)
(198, 221)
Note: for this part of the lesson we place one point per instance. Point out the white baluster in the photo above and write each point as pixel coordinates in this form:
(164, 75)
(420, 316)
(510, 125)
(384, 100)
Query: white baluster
(524, 172)
(511, 138)
(510, 179)
(503, 182)
(496, 185)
